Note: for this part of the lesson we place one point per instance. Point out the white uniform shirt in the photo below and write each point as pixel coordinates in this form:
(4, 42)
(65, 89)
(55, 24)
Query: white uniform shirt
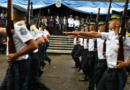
(45, 32)
(126, 48)
(81, 41)
(85, 44)
(21, 36)
(74, 41)
(35, 33)
(100, 44)
(112, 44)
(76, 23)
(41, 31)
(70, 21)
(91, 44)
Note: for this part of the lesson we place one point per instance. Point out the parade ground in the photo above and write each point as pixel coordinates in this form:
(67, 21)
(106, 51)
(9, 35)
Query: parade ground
(59, 75)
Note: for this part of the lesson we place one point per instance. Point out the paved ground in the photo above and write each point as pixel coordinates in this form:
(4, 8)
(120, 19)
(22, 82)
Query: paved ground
(59, 75)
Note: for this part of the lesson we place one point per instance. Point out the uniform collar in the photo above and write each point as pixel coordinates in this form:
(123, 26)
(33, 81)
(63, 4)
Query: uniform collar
(34, 26)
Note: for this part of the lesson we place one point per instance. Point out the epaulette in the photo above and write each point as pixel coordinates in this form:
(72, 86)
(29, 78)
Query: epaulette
(40, 29)
(128, 34)
(111, 30)
(32, 29)
(20, 23)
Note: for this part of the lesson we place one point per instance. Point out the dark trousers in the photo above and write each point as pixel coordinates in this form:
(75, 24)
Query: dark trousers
(64, 28)
(78, 54)
(101, 68)
(113, 80)
(92, 63)
(3, 23)
(75, 49)
(15, 76)
(51, 30)
(57, 29)
(71, 29)
(33, 82)
(84, 63)
(44, 51)
(46, 57)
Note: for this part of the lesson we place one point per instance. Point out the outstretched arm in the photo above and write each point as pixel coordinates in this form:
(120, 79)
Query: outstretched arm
(85, 34)
(90, 34)
(2, 31)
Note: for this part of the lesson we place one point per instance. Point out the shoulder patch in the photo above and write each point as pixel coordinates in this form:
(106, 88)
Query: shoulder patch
(40, 29)
(128, 34)
(36, 32)
(115, 51)
(20, 23)
(23, 31)
(32, 29)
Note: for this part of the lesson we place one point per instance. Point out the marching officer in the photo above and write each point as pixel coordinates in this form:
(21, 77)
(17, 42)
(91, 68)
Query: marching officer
(34, 81)
(101, 65)
(24, 43)
(84, 61)
(75, 48)
(113, 78)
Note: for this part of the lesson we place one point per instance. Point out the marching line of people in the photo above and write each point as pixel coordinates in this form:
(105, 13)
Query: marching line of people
(101, 69)
(25, 66)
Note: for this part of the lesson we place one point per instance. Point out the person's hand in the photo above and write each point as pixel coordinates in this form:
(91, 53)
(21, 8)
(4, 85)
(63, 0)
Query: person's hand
(72, 36)
(121, 64)
(82, 42)
(67, 33)
(71, 33)
(95, 49)
(12, 57)
(104, 54)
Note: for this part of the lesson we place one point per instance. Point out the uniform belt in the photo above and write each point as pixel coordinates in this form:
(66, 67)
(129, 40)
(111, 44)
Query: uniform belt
(77, 45)
(91, 51)
(18, 61)
(101, 60)
(85, 49)
(112, 69)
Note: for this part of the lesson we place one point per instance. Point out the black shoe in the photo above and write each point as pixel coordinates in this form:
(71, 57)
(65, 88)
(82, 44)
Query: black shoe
(79, 69)
(83, 79)
(128, 82)
(81, 73)
(40, 72)
(74, 67)
(49, 61)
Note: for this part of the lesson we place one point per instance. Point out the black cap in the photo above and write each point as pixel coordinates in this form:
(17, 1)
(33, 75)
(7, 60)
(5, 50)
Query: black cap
(101, 21)
(116, 15)
(92, 22)
(76, 28)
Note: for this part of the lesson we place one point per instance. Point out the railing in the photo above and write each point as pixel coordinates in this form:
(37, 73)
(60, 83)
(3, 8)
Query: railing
(60, 44)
